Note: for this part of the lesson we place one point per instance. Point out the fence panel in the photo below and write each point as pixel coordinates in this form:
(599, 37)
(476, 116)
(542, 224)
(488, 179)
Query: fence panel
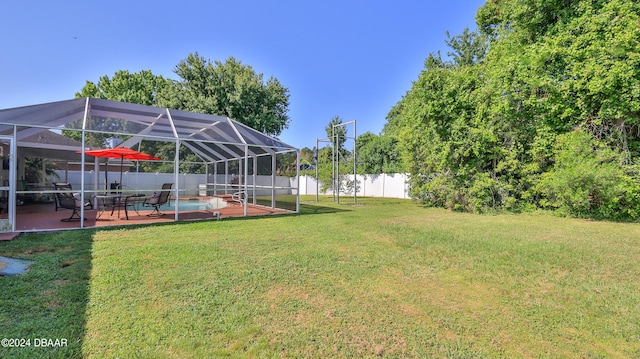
(382, 185)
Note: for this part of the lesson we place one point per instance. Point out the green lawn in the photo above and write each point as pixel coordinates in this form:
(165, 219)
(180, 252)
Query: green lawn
(386, 278)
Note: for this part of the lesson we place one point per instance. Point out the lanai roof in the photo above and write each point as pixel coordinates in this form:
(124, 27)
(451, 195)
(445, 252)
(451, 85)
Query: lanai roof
(213, 138)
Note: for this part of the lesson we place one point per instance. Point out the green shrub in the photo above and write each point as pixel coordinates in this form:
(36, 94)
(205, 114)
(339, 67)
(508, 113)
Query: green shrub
(433, 190)
(588, 180)
(487, 193)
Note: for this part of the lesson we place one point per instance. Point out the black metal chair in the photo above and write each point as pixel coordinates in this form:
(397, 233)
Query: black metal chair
(159, 200)
(59, 186)
(65, 199)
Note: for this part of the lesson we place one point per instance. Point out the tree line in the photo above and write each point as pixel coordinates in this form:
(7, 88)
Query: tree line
(538, 109)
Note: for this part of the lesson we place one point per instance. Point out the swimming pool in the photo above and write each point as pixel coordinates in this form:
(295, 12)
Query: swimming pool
(195, 204)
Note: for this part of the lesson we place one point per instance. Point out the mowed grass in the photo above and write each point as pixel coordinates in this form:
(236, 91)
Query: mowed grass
(385, 278)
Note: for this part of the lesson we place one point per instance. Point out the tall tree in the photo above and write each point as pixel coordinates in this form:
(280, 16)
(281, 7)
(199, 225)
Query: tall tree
(467, 48)
(333, 128)
(140, 87)
(307, 157)
(230, 89)
(377, 154)
(529, 20)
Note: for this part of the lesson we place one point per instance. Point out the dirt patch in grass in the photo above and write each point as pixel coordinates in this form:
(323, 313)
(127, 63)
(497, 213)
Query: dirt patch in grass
(38, 249)
(53, 304)
(67, 263)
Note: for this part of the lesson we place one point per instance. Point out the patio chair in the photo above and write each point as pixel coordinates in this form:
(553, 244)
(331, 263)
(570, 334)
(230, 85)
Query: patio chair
(115, 187)
(67, 200)
(158, 200)
(60, 186)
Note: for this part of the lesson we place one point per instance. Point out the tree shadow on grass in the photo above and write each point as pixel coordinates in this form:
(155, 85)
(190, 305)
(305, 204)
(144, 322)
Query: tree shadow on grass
(289, 203)
(46, 305)
(307, 208)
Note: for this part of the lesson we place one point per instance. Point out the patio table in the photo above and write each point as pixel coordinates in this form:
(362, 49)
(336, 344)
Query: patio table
(106, 201)
(119, 201)
(133, 201)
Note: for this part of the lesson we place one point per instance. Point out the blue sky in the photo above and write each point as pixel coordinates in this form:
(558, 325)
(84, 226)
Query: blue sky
(353, 59)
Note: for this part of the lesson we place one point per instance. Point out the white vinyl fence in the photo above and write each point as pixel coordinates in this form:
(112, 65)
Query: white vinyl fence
(382, 185)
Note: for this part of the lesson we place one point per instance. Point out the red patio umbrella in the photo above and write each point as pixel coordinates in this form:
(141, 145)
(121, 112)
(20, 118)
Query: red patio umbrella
(122, 153)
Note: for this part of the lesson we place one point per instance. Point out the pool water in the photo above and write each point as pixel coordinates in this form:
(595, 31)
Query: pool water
(195, 204)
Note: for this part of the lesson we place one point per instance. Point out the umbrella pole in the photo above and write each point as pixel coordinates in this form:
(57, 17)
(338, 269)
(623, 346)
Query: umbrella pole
(119, 187)
(106, 173)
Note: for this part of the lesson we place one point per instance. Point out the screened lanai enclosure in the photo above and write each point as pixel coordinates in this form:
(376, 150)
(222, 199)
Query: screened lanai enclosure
(200, 167)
